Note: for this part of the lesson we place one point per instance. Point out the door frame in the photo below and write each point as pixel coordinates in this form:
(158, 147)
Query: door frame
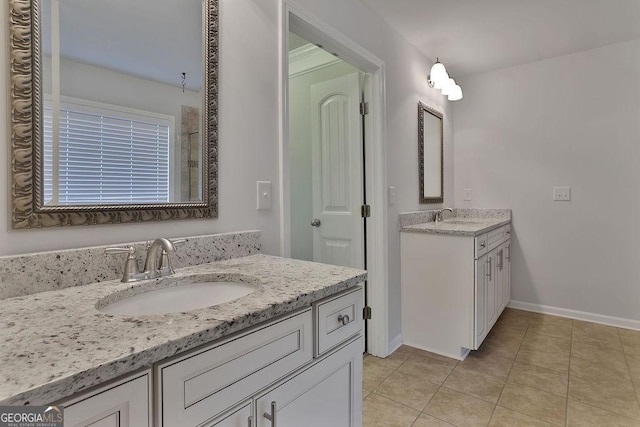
(292, 16)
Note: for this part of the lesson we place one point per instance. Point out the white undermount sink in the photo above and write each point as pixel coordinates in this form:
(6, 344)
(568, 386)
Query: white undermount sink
(178, 294)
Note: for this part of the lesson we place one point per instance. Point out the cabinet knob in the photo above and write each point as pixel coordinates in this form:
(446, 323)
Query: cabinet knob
(344, 319)
(316, 223)
(483, 245)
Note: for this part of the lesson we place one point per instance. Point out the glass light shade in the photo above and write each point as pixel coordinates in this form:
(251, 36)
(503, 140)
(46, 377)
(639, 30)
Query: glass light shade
(456, 93)
(438, 75)
(448, 87)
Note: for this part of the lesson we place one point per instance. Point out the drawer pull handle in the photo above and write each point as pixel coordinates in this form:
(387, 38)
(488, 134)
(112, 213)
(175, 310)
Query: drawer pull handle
(272, 416)
(489, 269)
(250, 421)
(344, 319)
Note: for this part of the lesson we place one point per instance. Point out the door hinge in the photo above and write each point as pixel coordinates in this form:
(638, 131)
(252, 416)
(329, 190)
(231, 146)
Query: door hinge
(364, 108)
(366, 313)
(365, 211)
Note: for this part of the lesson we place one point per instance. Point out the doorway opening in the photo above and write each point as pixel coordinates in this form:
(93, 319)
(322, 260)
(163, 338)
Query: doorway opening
(332, 157)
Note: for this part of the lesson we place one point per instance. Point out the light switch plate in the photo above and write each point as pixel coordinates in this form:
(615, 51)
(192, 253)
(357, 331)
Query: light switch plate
(392, 195)
(264, 195)
(467, 194)
(562, 194)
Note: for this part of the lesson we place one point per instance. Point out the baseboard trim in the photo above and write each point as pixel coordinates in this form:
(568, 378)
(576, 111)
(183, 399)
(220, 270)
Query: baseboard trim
(394, 344)
(602, 319)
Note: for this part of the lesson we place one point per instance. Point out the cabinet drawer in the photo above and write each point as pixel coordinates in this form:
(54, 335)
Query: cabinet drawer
(338, 319)
(125, 403)
(200, 386)
(495, 237)
(481, 245)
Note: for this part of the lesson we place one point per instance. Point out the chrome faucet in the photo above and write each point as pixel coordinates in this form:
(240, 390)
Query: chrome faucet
(156, 264)
(439, 213)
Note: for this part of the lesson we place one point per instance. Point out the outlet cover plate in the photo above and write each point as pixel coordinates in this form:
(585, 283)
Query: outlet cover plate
(264, 195)
(561, 194)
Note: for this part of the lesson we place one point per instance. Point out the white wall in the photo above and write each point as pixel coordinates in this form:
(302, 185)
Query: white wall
(301, 197)
(248, 130)
(561, 122)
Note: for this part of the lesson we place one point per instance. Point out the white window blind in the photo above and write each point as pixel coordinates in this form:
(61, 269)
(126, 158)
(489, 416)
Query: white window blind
(106, 156)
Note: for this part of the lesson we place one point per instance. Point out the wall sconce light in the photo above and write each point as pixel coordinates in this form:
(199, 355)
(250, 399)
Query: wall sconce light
(439, 79)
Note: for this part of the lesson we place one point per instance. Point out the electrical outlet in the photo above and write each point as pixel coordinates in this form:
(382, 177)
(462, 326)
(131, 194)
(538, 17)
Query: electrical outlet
(264, 195)
(467, 194)
(561, 194)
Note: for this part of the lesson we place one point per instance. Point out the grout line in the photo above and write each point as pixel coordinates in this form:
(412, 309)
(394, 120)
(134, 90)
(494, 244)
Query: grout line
(626, 361)
(566, 405)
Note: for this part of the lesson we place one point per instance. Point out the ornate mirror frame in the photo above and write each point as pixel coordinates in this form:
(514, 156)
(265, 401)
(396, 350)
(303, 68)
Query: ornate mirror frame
(26, 130)
(422, 110)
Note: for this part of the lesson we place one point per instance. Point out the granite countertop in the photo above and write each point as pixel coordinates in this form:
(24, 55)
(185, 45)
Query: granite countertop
(57, 343)
(458, 226)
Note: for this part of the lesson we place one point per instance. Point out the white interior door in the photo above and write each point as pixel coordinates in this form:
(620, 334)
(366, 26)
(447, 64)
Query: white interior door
(336, 128)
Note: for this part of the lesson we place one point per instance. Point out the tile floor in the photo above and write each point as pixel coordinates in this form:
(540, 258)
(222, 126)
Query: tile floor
(532, 370)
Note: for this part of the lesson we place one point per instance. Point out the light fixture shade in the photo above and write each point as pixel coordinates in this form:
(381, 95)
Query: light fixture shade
(438, 75)
(456, 93)
(448, 87)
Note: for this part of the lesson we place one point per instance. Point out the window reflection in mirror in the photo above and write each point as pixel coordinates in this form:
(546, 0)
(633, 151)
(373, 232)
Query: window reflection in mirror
(122, 84)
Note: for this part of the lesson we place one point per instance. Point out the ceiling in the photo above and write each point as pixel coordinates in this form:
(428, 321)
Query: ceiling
(475, 36)
(152, 39)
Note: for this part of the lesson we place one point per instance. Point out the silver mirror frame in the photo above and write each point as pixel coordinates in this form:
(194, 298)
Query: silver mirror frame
(26, 153)
(422, 109)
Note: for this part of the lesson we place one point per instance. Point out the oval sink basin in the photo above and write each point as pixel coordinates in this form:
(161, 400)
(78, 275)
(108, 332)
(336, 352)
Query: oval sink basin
(178, 294)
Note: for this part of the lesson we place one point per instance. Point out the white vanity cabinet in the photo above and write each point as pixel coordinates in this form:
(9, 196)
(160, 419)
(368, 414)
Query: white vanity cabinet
(125, 403)
(454, 288)
(219, 385)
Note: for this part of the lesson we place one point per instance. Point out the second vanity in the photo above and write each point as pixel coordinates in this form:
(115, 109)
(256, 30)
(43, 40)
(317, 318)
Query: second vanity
(287, 354)
(456, 278)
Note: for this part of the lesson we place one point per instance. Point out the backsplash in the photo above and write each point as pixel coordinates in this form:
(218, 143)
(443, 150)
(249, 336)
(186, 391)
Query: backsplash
(45, 271)
(420, 217)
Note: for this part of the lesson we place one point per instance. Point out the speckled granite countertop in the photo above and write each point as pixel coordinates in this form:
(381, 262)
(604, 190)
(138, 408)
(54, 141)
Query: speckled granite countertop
(458, 226)
(57, 343)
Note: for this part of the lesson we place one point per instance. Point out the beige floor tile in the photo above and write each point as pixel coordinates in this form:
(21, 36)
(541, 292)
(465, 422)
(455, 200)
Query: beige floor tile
(487, 363)
(503, 344)
(597, 351)
(459, 409)
(633, 362)
(423, 353)
(535, 403)
(535, 341)
(374, 372)
(378, 411)
(425, 420)
(503, 417)
(615, 369)
(409, 390)
(612, 395)
(594, 331)
(545, 359)
(539, 378)
(630, 341)
(550, 325)
(402, 353)
(581, 415)
(474, 384)
(516, 319)
(427, 368)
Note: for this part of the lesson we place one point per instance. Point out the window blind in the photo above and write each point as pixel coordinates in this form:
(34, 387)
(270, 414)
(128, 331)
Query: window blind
(106, 158)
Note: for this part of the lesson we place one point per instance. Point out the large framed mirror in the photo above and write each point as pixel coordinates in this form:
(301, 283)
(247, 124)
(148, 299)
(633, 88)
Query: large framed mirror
(430, 154)
(113, 111)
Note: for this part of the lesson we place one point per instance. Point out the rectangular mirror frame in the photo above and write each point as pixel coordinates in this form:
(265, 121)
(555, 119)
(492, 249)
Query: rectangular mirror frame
(26, 133)
(422, 109)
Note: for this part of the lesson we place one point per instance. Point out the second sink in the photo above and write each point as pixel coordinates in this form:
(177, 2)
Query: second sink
(178, 294)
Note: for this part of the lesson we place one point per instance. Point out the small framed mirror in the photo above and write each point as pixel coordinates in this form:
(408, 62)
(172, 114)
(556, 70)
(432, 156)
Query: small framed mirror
(113, 111)
(430, 154)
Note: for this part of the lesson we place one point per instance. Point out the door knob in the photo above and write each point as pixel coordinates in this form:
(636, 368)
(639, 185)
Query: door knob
(316, 222)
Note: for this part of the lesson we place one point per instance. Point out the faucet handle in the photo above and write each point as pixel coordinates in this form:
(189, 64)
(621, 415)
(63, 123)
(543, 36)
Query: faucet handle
(130, 266)
(165, 262)
(179, 242)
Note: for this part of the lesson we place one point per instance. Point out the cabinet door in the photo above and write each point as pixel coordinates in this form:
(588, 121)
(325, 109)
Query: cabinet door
(481, 280)
(124, 404)
(492, 281)
(329, 393)
(239, 417)
(507, 272)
